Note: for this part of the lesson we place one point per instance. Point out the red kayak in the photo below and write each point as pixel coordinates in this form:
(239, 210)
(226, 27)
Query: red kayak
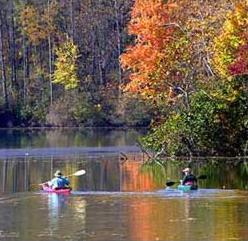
(46, 188)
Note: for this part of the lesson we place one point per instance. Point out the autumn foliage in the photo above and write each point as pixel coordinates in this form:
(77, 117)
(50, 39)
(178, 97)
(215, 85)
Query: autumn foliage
(148, 25)
(231, 45)
(65, 65)
(38, 25)
(194, 49)
(172, 47)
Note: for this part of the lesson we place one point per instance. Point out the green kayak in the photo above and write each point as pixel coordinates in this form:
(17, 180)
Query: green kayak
(186, 188)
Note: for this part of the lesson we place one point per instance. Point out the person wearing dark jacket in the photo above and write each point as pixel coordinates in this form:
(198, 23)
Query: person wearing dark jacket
(189, 178)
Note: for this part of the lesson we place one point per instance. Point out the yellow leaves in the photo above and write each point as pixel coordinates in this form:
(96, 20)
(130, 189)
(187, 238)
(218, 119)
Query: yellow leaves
(230, 96)
(231, 38)
(66, 69)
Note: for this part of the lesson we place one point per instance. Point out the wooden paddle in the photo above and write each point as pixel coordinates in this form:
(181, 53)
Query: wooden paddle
(77, 174)
(171, 183)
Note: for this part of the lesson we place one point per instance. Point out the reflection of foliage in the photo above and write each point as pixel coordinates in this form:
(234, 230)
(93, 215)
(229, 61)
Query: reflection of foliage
(157, 169)
(229, 173)
(244, 168)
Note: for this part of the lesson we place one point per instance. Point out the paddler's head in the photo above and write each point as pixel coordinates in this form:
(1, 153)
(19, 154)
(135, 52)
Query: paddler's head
(58, 173)
(187, 170)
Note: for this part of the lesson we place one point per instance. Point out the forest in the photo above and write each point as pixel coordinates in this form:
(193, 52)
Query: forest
(178, 67)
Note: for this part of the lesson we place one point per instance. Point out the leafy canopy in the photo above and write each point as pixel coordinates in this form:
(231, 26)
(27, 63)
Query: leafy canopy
(66, 65)
(148, 20)
(231, 45)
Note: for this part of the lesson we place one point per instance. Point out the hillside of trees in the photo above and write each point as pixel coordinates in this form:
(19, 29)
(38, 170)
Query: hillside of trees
(178, 66)
(59, 64)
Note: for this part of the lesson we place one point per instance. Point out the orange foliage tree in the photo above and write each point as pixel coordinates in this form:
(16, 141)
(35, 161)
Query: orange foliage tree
(148, 20)
(172, 52)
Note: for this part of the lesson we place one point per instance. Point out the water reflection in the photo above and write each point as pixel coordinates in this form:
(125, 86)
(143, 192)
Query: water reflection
(121, 199)
(120, 217)
(111, 173)
(187, 219)
(33, 138)
(60, 206)
(102, 174)
(56, 205)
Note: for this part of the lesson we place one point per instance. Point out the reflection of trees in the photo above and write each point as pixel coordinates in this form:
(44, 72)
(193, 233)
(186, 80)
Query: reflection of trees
(70, 137)
(133, 179)
(24, 174)
(186, 219)
(3, 175)
(15, 175)
(225, 173)
(230, 173)
(102, 175)
(157, 171)
(108, 173)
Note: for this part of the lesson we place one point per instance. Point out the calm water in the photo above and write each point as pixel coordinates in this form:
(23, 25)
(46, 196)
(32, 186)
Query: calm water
(116, 199)
(37, 138)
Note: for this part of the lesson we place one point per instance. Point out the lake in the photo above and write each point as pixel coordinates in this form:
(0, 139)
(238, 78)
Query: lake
(119, 198)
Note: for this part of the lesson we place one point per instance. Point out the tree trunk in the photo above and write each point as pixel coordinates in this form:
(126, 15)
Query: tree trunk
(118, 32)
(24, 69)
(3, 67)
(13, 54)
(72, 19)
(50, 69)
(50, 61)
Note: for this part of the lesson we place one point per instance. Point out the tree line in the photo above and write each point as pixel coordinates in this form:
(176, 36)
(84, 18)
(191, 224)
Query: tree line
(179, 66)
(190, 58)
(59, 64)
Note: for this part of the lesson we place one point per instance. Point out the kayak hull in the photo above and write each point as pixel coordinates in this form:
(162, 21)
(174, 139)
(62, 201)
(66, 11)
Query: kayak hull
(186, 188)
(51, 190)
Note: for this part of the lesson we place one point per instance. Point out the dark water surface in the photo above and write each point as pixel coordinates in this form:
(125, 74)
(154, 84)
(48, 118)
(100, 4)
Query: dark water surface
(117, 199)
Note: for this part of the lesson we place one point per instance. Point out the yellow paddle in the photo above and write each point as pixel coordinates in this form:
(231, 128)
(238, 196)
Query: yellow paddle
(78, 173)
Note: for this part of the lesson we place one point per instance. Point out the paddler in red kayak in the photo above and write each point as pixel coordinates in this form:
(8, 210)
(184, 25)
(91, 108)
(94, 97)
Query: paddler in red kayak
(58, 182)
(189, 179)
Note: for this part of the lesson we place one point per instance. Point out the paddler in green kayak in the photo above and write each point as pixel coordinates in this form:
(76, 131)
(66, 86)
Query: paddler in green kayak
(189, 179)
(58, 182)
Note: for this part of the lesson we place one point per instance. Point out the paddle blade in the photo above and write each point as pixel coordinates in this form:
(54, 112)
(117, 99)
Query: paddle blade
(79, 173)
(168, 184)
